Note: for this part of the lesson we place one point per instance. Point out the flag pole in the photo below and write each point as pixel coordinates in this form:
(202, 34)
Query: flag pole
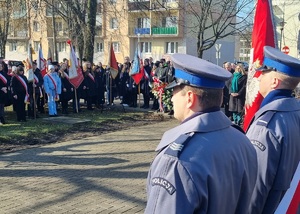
(76, 102)
(139, 86)
(33, 82)
(109, 73)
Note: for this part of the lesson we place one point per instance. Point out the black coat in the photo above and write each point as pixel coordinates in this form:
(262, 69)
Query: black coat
(3, 96)
(236, 104)
(69, 93)
(90, 85)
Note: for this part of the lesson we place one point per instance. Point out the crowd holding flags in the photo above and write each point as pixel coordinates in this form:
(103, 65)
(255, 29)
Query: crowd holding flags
(262, 35)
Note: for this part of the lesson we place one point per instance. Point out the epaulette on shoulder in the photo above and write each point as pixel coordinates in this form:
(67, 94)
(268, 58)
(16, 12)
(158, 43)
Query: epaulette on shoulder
(176, 147)
(265, 118)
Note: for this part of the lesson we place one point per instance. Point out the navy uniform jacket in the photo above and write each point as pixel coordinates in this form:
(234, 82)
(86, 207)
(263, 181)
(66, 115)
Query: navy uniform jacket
(275, 134)
(210, 171)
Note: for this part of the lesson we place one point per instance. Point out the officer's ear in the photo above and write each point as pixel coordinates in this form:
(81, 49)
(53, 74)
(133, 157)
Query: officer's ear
(192, 99)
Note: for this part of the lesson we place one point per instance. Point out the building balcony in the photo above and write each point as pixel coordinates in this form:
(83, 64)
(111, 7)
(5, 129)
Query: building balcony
(141, 31)
(164, 30)
(18, 35)
(138, 6)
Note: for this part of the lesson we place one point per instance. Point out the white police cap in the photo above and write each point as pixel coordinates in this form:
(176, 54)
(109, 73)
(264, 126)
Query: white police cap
(193, 71)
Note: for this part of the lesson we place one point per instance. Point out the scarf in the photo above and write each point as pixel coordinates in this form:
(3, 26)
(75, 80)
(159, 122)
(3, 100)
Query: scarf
(275, 95)
(235, 82)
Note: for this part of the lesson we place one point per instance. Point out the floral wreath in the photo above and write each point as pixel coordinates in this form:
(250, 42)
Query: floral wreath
(162, 94)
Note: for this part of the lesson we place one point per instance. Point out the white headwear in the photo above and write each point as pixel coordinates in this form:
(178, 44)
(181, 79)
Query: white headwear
(50, 67)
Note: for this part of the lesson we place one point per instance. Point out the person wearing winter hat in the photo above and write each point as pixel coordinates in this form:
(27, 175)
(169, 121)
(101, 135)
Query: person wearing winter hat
(52, 85)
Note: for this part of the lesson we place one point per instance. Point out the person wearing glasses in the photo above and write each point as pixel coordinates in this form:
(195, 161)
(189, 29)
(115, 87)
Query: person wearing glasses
(205, 164)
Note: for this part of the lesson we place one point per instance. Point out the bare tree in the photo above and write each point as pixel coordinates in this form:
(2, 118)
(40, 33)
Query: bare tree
(81, 19)
(5, 16)
(211, 20)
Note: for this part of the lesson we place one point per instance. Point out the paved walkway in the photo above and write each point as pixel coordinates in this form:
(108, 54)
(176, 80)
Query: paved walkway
(103, 174)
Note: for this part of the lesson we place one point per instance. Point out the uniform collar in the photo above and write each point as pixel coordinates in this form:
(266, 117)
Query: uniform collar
(283, 104)
(206, 122)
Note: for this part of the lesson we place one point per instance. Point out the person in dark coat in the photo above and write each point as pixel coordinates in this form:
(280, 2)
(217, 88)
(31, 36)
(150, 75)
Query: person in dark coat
(124, 77)
(67, 89)
(20, 93)
(238, 94)
(35, 100)
(226, 94)
(4, 83)
(89, 85)
(100, 84)
(145, 84)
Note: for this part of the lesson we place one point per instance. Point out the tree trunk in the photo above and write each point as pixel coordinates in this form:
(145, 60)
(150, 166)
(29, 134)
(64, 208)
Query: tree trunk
(90, 31)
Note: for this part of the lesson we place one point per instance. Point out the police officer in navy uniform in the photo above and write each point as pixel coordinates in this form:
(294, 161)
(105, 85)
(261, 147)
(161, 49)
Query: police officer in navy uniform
(204, 165)
(275, 130)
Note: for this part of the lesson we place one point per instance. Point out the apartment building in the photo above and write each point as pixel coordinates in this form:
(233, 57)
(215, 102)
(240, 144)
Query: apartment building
(159, 27)
(287, 22)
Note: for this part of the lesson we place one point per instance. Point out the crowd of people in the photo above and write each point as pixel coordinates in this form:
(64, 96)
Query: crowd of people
(98, 87)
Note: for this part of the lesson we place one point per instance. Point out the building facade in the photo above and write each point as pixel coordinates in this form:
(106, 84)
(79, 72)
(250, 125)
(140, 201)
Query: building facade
(287, 22)
(159, 27)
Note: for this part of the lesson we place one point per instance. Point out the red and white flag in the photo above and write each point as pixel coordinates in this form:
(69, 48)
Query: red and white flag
(75, 72)
(29, 71)
(113, 64)
(263, 35)
(41, 62)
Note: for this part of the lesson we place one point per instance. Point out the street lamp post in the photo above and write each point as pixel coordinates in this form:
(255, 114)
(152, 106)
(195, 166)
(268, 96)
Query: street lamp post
(281, 24)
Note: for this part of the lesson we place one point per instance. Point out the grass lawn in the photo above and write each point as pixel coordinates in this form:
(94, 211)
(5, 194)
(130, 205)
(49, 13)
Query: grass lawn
(14, 131)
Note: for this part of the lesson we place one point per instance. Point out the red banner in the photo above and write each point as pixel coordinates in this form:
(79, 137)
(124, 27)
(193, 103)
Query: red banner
(263, 35)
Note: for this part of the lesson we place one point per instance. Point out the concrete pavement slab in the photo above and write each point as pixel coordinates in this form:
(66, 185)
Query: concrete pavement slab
(102, 174)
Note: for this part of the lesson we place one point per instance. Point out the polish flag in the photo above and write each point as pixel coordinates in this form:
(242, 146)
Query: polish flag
(263, 35)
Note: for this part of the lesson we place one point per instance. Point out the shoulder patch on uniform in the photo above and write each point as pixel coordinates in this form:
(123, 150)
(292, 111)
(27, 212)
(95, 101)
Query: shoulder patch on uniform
(259, 145)
(163, 183)
(265, 118)
(177, 146)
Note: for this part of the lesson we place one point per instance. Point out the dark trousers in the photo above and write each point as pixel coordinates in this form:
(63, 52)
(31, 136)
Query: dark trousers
(20, 108)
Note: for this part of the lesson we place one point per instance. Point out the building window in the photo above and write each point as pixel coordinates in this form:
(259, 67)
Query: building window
(36, 46)
(99, 47)
(98, 30)
(116, 47)
(146, 47)
(143, 23)
(61, 46)
(170, 21)
(58, 26)
(36, 26)
(13, 46)
(112, 1)
(171, 47)
(113, 23)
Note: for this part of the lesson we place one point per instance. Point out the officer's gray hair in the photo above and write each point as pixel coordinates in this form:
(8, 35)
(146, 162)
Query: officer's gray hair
(208, 97)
